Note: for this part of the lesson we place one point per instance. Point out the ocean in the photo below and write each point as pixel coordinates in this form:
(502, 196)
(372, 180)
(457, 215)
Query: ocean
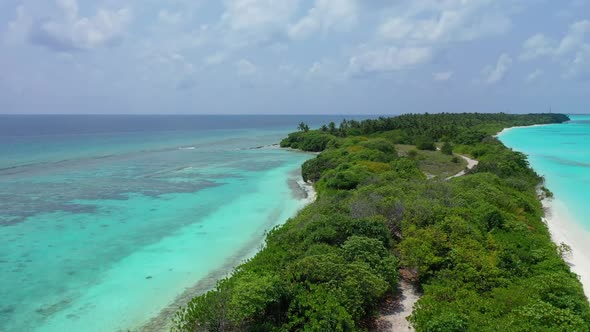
(107, 221)
(561, 154)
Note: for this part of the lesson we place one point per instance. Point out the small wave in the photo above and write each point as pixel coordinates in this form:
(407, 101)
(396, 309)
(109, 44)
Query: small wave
(187, 148)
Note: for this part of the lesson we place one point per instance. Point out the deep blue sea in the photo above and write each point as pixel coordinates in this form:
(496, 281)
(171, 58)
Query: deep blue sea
(106, 220)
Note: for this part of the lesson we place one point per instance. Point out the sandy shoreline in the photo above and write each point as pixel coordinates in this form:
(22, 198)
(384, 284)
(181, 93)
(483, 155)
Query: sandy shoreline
(505, 130)
(565, 229)
(163, 321)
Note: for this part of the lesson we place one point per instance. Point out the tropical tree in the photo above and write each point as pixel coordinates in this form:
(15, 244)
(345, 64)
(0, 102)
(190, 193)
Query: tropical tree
(303, 127)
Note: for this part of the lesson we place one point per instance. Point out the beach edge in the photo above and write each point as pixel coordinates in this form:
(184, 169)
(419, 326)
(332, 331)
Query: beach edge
(564, 229)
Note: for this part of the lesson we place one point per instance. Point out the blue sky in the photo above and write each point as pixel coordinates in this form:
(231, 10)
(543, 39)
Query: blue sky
(294, 56)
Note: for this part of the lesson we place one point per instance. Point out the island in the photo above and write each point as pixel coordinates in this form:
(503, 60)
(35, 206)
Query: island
(431, 202)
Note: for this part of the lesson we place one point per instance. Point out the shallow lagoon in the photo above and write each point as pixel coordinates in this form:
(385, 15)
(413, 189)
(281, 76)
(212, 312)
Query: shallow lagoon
(103, 232)
(560, 153)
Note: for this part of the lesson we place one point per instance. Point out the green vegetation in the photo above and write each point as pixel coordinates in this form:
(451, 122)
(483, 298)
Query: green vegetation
(546, 192)
(307, 141)
(433, 163)
(303, 127)
(476, 244)
(447, 149)
(425, 143)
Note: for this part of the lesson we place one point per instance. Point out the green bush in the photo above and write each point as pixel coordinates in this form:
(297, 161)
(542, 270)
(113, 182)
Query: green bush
(425, 143)
(447, 149)
(313, 141)
(346, 176)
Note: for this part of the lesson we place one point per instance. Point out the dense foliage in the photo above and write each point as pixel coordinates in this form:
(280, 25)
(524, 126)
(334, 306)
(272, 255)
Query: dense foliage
(466, 128)
(477, 243)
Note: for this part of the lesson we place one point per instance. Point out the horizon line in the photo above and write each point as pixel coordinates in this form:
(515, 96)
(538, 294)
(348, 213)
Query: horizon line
(269, 114)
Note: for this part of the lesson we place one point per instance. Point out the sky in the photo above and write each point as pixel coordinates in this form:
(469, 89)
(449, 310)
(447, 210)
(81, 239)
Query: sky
(294, 56)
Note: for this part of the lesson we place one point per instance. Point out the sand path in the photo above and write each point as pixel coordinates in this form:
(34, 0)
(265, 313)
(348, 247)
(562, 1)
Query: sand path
(470, 164)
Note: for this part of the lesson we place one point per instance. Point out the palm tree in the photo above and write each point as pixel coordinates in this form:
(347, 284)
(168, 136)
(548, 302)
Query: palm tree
(303, 127)
(332, 128)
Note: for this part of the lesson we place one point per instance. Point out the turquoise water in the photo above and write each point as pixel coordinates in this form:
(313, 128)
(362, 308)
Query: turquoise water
(561, 153)
(101, 229)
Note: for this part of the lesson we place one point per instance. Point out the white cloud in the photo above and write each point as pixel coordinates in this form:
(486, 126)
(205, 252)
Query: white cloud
(388, 59)
(579, 67)
(536, 46)
(572, 51)
(539, 45)
(442, 76)
(535, 75)
(70, 32)
(396, 28)
(575, 37)
(257, 19)
(325, 15)
(303, 28)
(245, 68)
(445, 21)
(495, 74)
(419, 29)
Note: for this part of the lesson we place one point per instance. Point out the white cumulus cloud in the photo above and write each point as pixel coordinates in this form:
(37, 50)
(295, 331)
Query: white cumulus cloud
(579, 67)
(576, 36)
(257, 20)
(418, 30)
(495, 74)
(388, 59)
(536, 46)
(445, 21)
(70, 31)
(572, 51)
(325, 15)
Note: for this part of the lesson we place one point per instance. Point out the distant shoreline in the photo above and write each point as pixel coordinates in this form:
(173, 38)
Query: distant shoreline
(505, 130)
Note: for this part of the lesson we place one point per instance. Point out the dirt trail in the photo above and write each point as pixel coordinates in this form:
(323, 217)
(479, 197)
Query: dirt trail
(394, 316)
(470, 164)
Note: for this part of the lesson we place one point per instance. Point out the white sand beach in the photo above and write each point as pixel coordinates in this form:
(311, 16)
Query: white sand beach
(564, 229)
(505, 130)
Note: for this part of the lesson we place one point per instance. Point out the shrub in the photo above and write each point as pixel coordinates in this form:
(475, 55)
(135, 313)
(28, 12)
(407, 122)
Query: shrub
(425, 143)
(314, 141)
(447, 149)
